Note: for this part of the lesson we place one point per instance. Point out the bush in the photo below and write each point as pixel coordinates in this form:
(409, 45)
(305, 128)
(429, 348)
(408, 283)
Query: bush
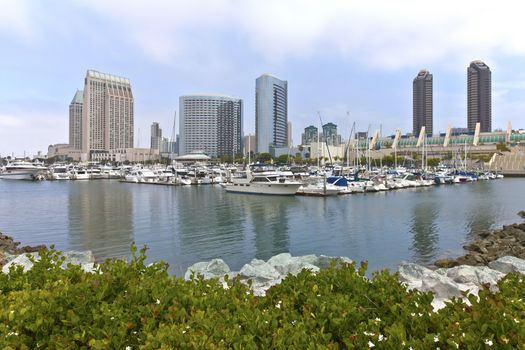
(130, 305)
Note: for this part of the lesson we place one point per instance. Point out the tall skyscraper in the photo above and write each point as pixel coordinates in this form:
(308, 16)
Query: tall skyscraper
(479, 104)
(330, 134)
(75, 120)
(271, 113)
(310, 135)
(422, 103)
(289, 134)
(156, 136)
(107, 115)
(210, 123)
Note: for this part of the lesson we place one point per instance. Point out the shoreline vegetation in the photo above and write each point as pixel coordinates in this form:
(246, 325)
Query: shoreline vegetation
(320, 302)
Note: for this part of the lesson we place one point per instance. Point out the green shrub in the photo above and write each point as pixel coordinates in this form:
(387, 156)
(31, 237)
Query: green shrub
(127, 305)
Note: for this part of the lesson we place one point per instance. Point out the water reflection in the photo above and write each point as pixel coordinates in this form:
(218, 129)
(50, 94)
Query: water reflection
(100, 218)
(424, 231)
(482, 210)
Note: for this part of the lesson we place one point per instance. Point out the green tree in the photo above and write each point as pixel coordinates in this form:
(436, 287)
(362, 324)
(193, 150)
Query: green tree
(264, 157)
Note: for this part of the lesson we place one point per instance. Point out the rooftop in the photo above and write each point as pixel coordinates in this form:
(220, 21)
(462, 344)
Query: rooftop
(99, 75)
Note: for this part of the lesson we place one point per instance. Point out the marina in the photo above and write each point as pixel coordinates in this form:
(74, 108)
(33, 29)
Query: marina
(185, 224)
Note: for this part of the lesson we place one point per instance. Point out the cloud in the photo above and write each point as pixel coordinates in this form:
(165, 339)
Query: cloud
(8, 121)
(386, 34)
(15, 18)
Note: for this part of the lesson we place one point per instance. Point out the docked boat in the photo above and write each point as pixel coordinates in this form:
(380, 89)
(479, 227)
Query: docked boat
(59, 172)
(271, 183)
(22, 170)
(319, 190)
(79, 174)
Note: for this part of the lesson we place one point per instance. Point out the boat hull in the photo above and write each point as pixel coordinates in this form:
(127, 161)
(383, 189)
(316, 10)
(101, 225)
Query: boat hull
(268, 189)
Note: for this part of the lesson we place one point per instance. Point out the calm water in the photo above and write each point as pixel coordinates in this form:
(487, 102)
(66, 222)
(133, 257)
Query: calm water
(184, 225)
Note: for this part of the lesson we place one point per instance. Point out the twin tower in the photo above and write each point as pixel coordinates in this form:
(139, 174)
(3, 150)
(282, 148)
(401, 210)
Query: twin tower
(479, 100)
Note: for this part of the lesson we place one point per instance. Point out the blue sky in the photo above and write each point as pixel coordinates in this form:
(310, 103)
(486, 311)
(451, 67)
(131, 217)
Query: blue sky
(338, 57)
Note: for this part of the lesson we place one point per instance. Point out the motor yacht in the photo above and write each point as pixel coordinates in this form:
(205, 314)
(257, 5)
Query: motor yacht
(22, 170)
(271, 183)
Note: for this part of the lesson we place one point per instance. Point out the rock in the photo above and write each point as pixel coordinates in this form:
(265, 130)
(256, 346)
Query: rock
(521, 214)
(477, 275)
(21, 260)
(447, 262)
(84, 259)
(324, 262)
(259, 271)
(508, 264)
(211, 269)
(426, 280)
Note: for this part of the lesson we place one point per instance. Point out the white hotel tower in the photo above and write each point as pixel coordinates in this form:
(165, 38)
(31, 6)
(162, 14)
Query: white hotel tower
(211, 123)
(271, 113)
(107, 115)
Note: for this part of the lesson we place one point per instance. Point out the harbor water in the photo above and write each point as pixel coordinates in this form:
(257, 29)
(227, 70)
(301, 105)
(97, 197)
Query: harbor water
(182, 225)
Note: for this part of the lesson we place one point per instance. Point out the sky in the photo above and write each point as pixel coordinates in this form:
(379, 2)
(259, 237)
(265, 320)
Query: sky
(349, 61)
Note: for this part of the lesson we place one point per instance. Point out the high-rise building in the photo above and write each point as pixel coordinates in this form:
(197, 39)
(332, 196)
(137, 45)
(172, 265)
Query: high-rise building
(249, 144)
(330, 134)
(156, 136)
(289, 134)
(107, 114)
(422, 103)
(310, 135)
(75, 120)
(479, 103)
(210, 123)
(271, 113)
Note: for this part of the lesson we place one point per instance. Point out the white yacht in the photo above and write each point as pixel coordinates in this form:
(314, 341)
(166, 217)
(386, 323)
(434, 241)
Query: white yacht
(141, 175)
(262, 183)
(59, 172)
(79, 174)
(22, 170)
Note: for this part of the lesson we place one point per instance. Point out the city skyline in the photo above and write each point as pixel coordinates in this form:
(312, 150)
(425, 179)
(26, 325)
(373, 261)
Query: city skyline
(332, 55)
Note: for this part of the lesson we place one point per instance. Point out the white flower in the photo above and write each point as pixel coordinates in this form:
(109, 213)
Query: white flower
(112, 318)
(368, 334)
(370, 344)
(378, 319)
(129, 347)
(380, 337)
(158, 301)
(412, 314)
(278, 306)
(184, 332)
(410, 348)
(436, 339)
(488, 342)
(294, 322)
(516, 320)
(415, 303)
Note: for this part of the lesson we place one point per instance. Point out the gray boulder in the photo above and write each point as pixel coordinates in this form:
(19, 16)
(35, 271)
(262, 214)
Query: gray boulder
(477, 275)
(426, 280)
(324, 262)
(508, 264)
(84, 259)
(215, 268)
(285, 264)
(259, 272)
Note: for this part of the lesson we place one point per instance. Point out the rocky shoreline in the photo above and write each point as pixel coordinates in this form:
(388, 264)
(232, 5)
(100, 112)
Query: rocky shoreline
(490, 246)
(10, 247)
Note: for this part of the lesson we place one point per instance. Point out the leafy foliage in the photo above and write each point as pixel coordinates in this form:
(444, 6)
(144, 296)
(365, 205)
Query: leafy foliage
(127, 305)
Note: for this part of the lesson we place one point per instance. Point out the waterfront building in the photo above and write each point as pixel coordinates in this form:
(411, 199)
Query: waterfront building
(330, 134)
(290, 139)
(361, 135)
(310, 135)
(249, 144)
(479, 101)
(422, 101)
(75, 120)
(156, 136)
(211, 123)
(271, 113)
(107, 113)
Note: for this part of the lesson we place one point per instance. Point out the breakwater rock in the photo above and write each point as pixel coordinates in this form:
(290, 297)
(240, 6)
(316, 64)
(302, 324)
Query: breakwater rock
(10, 247)
(444, 283)
(264, 274)
(490, 246)
(85, 259)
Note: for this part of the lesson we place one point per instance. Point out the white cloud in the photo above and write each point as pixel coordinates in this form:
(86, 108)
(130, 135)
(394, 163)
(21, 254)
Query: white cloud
(8, 121)
(15, 18)
(388, 34)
